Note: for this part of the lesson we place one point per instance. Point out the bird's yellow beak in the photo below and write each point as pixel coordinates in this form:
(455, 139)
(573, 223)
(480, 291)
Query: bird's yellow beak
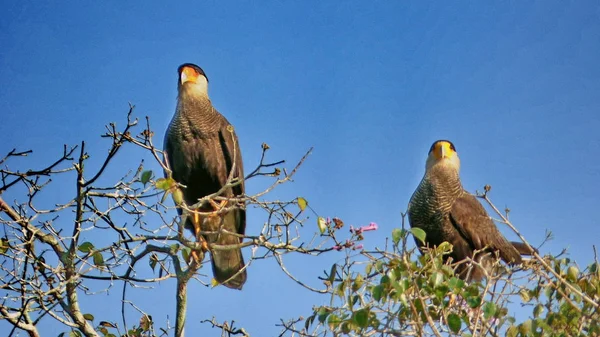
(189, 74)
(443, 150)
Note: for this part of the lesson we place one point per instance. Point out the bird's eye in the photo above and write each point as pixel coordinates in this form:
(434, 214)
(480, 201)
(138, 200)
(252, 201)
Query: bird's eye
(432, 148)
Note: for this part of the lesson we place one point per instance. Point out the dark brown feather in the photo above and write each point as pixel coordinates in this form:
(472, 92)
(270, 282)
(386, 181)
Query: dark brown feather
(472, 221)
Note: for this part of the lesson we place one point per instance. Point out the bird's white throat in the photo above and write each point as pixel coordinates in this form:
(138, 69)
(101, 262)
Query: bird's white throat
(197, 89)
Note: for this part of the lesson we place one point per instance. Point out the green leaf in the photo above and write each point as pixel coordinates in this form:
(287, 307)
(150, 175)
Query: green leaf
(436, 279)
(164, 197)
(400, 286)
(397, 234)
(62, 334)
(441, 292)
(177, 196)
(377, 292)
(512, 331)
(537, 311)
(4, 245)
(444, 248)
(418, 233)
(361, 318)
(98, 259)
(146, 175)
(572, 273)
(86, 247)
(333, 321)
(346, 327)
(384, 279)
(472, 290)
(358, 282)
(153, 261)
(524, 295)
(107, 324)
(165, 183)
(302, 203)
(489, 310)
(321, 223)
(75, 333)
(455, 283)
(88, 317)
(355, 299)
(185, 254)
(525, 327)
(379, 266)
(391, 275)
(339, 290)
(309, 321)
(40, 264)
(323, 313)
(332, 273)
(454, 322)
(474, 301)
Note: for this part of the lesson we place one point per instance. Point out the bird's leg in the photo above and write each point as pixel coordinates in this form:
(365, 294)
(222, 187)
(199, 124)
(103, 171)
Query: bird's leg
(217, 206)
(196, 221)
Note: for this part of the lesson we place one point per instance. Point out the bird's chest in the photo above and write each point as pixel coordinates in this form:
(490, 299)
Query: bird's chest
(198, 164)
(202, 157)
(432, 207)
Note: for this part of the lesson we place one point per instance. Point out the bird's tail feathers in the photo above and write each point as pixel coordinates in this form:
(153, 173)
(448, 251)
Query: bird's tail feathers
(228, 265)
(228, 268)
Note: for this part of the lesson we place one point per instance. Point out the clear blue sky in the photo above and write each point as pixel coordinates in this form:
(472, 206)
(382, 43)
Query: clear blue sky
(369, 84)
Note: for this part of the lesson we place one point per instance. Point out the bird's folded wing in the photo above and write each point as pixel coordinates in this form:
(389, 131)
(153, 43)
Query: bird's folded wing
(470, 218)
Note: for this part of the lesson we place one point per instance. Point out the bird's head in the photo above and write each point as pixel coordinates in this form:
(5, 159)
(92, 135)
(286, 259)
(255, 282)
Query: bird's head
(443, 152)
(192, 80)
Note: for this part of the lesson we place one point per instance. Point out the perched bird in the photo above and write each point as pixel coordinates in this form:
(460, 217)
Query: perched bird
(202, 149)
(442, 208)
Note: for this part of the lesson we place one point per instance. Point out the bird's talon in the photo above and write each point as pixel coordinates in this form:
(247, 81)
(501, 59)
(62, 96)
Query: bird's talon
(217, 206)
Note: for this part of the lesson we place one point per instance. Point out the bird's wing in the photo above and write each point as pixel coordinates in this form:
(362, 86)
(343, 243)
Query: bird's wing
(232, 154)
(226, 264)
(473, 223)
(174, 163)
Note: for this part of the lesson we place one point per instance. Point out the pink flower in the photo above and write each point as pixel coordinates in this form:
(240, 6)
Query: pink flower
(371, 227)
(357, 247)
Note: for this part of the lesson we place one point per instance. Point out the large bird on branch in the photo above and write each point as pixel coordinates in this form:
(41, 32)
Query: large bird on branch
(204, 155)
(442, 208)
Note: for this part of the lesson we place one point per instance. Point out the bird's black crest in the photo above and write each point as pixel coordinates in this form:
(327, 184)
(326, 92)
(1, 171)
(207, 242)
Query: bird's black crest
(442, 140)
(191, 65)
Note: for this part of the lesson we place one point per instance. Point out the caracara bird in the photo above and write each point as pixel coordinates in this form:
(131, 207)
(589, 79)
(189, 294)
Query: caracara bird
(202, 149)
(442, 208)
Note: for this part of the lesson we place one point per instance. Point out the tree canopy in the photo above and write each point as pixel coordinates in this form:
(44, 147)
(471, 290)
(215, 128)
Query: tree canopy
(111, 236)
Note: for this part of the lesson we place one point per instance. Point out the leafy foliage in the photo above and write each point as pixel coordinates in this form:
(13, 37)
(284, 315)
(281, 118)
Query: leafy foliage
(393, 291)
(398, 293)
